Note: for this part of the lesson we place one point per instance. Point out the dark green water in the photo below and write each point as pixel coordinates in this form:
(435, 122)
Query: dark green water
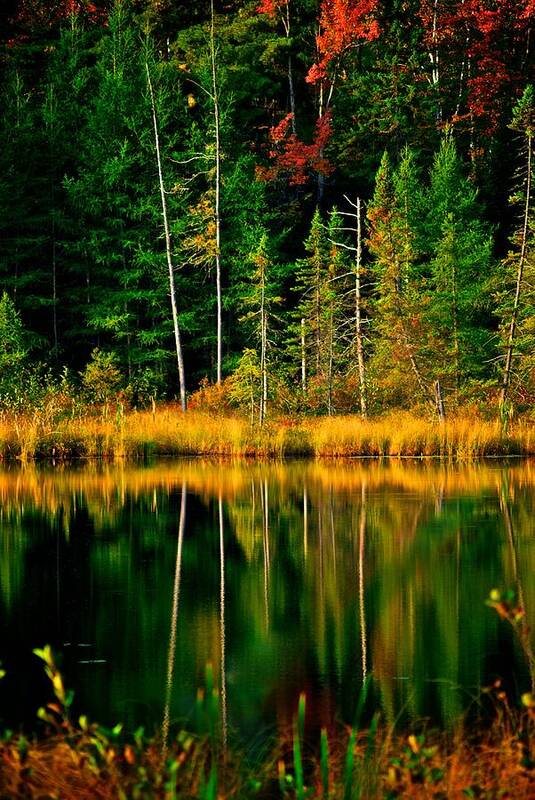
(287, 578)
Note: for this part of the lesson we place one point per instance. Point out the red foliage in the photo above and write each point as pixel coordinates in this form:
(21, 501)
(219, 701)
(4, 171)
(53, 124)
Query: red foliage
(487, 33)
(343, 24)
(293, 157)
(44, 14)
(270, 7)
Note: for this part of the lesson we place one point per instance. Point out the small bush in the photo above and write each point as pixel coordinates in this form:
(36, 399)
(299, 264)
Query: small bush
(101, 379)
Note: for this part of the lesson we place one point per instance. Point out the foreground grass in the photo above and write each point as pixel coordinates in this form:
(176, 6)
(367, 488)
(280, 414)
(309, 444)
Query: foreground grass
(84, 761)
(166, 431)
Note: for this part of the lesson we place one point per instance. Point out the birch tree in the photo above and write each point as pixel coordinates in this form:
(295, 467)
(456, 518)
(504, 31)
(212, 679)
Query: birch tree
(260, 303)
(168, 244)
(353, 225)
(524, 123)
(217, 192)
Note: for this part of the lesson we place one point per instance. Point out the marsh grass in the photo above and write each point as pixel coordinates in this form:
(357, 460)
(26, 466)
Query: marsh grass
(117, 433)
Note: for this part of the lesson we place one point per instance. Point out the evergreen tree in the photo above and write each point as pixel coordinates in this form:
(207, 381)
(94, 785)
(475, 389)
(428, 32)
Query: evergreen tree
(121, 289)
(261, 301)
(13, 350)
(24, 215)
(517, 303)
(459, 248)
(399, 324)
(316, 334)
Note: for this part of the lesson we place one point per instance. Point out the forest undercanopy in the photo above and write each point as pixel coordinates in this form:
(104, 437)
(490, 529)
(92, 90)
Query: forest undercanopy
(336, 195)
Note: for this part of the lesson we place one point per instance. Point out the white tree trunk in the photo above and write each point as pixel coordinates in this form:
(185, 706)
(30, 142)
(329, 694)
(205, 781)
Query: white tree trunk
(217, 209)
(168, 249)
(303, 358)
(358, 315)
(519, 278)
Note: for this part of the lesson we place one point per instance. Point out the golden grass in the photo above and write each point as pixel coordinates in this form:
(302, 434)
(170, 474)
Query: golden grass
(169, 432)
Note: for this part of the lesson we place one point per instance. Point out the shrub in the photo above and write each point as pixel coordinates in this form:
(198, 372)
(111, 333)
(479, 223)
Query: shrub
(101, 379)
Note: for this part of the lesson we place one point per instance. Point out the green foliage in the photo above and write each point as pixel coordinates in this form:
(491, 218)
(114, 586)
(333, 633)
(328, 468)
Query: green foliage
(13, 350)
(101, 379)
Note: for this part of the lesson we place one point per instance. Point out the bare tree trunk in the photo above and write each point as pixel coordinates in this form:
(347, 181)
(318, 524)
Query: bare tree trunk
(54, 293)
(303, 358)
(318, 320)
(519, 277)
(439, 401)
(286, 21)
(358, 315)
(217, 212)
(168, 249)
(455, 321)
(330, 368)
(292, 94)
(263, 350)
(434, 57)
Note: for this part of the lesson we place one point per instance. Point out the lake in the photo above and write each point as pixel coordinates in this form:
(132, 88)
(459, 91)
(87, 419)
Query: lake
(302, 576)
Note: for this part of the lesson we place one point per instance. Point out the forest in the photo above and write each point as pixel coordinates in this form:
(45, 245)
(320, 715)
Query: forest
(281, 206)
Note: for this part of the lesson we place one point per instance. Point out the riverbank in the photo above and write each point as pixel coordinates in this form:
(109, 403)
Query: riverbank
(117, 434)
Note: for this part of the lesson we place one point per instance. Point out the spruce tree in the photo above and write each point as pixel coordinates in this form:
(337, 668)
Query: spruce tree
(398, 327)
(458, 246)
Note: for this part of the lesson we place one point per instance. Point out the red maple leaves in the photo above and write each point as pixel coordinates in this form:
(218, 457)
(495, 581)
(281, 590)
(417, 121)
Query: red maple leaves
(343, 24)
(270, 7)
(293, 158)
(479, 38)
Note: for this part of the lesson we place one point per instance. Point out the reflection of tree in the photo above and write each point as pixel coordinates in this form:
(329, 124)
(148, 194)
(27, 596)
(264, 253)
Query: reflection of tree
(174, 621)
(222, 631)
(279, 563)
(523, 625)
(362, 607)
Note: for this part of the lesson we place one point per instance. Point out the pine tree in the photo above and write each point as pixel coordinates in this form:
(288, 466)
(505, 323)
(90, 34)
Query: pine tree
(398, 324)
(319, 312)
(459, 248)
(121, 291)
(261, 301)
(24, 216)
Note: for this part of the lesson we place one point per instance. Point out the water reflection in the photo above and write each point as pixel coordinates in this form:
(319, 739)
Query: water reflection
(287, 578)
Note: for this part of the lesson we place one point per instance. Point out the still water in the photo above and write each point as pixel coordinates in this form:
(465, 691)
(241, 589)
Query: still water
(286, 577)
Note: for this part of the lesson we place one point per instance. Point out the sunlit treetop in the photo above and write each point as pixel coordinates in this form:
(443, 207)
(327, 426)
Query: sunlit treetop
(270, 7)
(343, 24)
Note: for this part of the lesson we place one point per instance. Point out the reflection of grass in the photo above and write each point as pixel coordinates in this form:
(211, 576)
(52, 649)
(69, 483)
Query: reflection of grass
(167, 431)
(82, 760)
